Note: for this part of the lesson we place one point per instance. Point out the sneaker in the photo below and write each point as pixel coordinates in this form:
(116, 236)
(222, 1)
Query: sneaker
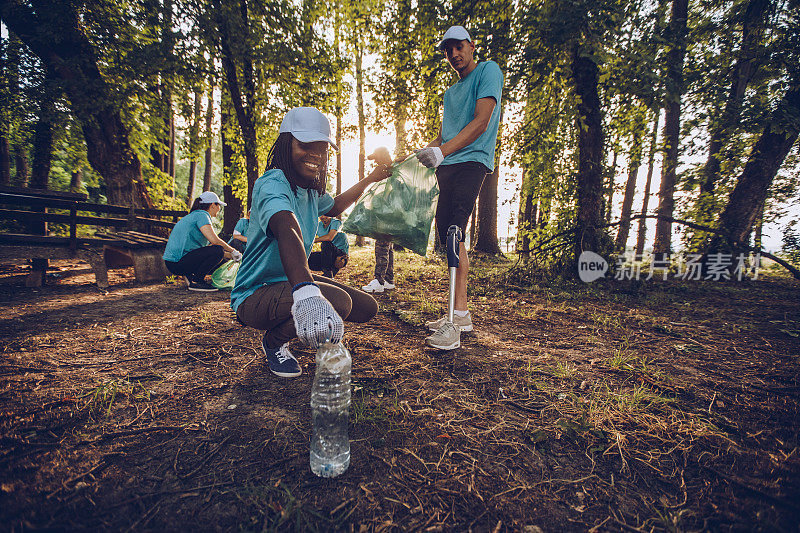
(373, 286)
(388, 285)
(447, 337)
(281, 361)
(201, 286)
(464, 323)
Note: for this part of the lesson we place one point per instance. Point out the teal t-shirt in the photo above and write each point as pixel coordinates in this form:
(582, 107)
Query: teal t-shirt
(340, 239)
(186, 235)
(242, 226)
(459, 110)
(261, 264)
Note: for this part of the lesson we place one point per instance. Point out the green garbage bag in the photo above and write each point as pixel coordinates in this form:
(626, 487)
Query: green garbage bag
(225, 276)
(400, 208)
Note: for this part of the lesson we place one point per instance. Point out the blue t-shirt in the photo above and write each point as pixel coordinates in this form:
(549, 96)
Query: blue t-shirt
(242, 226)
(340, 239)
(186, 235)
(485, 81)
(261, 264)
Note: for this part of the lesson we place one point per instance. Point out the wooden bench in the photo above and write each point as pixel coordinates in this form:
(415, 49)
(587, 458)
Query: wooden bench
(127, 244)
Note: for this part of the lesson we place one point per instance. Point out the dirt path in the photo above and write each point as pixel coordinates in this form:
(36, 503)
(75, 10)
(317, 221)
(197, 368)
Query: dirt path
(570, 408)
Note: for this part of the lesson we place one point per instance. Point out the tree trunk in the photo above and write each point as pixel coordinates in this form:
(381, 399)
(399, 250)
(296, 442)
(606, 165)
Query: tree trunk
(5, 161)
(590, 155)
(611, 178)
(42, 153)
(54, 33)
(672, 125)
(21, 160)
(76, 181)
(630, 188)
(190, 185)
(759, 229)
(750, 192)
(5, 152)
(231, 216)
(242, 95)
(641, 234)
(20, 149)
(209, 140)
(400, 131)
(361, 121)
(759, 233)
(43, 135)
(171, 157)
(194, 149)
(337, 24)
(752, 32)
(526, 221)
(157, 147)
(486, 240)
(168, 41)
(339, 151)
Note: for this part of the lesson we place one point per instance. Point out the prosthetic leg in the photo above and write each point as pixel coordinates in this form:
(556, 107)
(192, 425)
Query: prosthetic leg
(453, 248)
(448, 336)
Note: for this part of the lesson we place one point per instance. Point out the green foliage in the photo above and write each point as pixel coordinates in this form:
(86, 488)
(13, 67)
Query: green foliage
(791, 242)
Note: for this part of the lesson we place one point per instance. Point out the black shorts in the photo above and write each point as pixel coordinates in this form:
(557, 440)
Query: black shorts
(198, 263)
(459, 186)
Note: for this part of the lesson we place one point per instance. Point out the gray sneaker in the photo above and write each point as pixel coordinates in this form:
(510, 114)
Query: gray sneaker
(464, 323)
(447, 337)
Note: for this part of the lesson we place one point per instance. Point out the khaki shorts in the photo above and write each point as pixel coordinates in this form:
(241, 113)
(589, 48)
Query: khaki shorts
(270, 308)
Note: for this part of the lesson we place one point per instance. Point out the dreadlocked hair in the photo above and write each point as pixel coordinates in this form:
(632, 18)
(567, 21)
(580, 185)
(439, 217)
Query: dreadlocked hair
(280, 157)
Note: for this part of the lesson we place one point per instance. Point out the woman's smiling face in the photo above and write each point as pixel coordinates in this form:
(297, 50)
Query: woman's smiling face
(310, 160)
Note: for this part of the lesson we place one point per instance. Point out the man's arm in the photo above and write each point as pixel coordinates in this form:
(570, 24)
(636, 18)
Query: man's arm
(437, 141)
(284, 226)
(480, 121)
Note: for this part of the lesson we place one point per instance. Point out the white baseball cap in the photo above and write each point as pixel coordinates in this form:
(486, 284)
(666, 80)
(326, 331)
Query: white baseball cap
(459, 33)
(209, 197)
(307, 124)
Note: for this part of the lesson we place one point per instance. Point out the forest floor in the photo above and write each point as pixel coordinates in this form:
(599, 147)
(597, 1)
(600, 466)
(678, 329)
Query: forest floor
(658, 406)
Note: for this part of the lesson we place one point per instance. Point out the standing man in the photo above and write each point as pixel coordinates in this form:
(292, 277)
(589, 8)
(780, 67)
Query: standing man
(462, 154)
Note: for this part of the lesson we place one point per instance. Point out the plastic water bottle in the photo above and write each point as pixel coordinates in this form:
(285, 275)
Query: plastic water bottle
(330, 411)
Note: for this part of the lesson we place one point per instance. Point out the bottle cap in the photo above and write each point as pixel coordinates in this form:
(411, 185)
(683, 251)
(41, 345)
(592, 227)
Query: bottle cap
(334, 358)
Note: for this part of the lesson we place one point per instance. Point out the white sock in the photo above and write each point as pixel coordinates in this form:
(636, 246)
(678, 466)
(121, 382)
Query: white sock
(462, 314)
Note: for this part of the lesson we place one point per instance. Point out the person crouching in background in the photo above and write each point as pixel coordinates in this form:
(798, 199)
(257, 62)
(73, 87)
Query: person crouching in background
(239, 238)
(334, 251)
(194, 249)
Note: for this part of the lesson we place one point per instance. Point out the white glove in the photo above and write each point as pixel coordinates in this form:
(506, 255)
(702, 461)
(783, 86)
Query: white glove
(236, 255)
(315, 319)
(431, 156)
